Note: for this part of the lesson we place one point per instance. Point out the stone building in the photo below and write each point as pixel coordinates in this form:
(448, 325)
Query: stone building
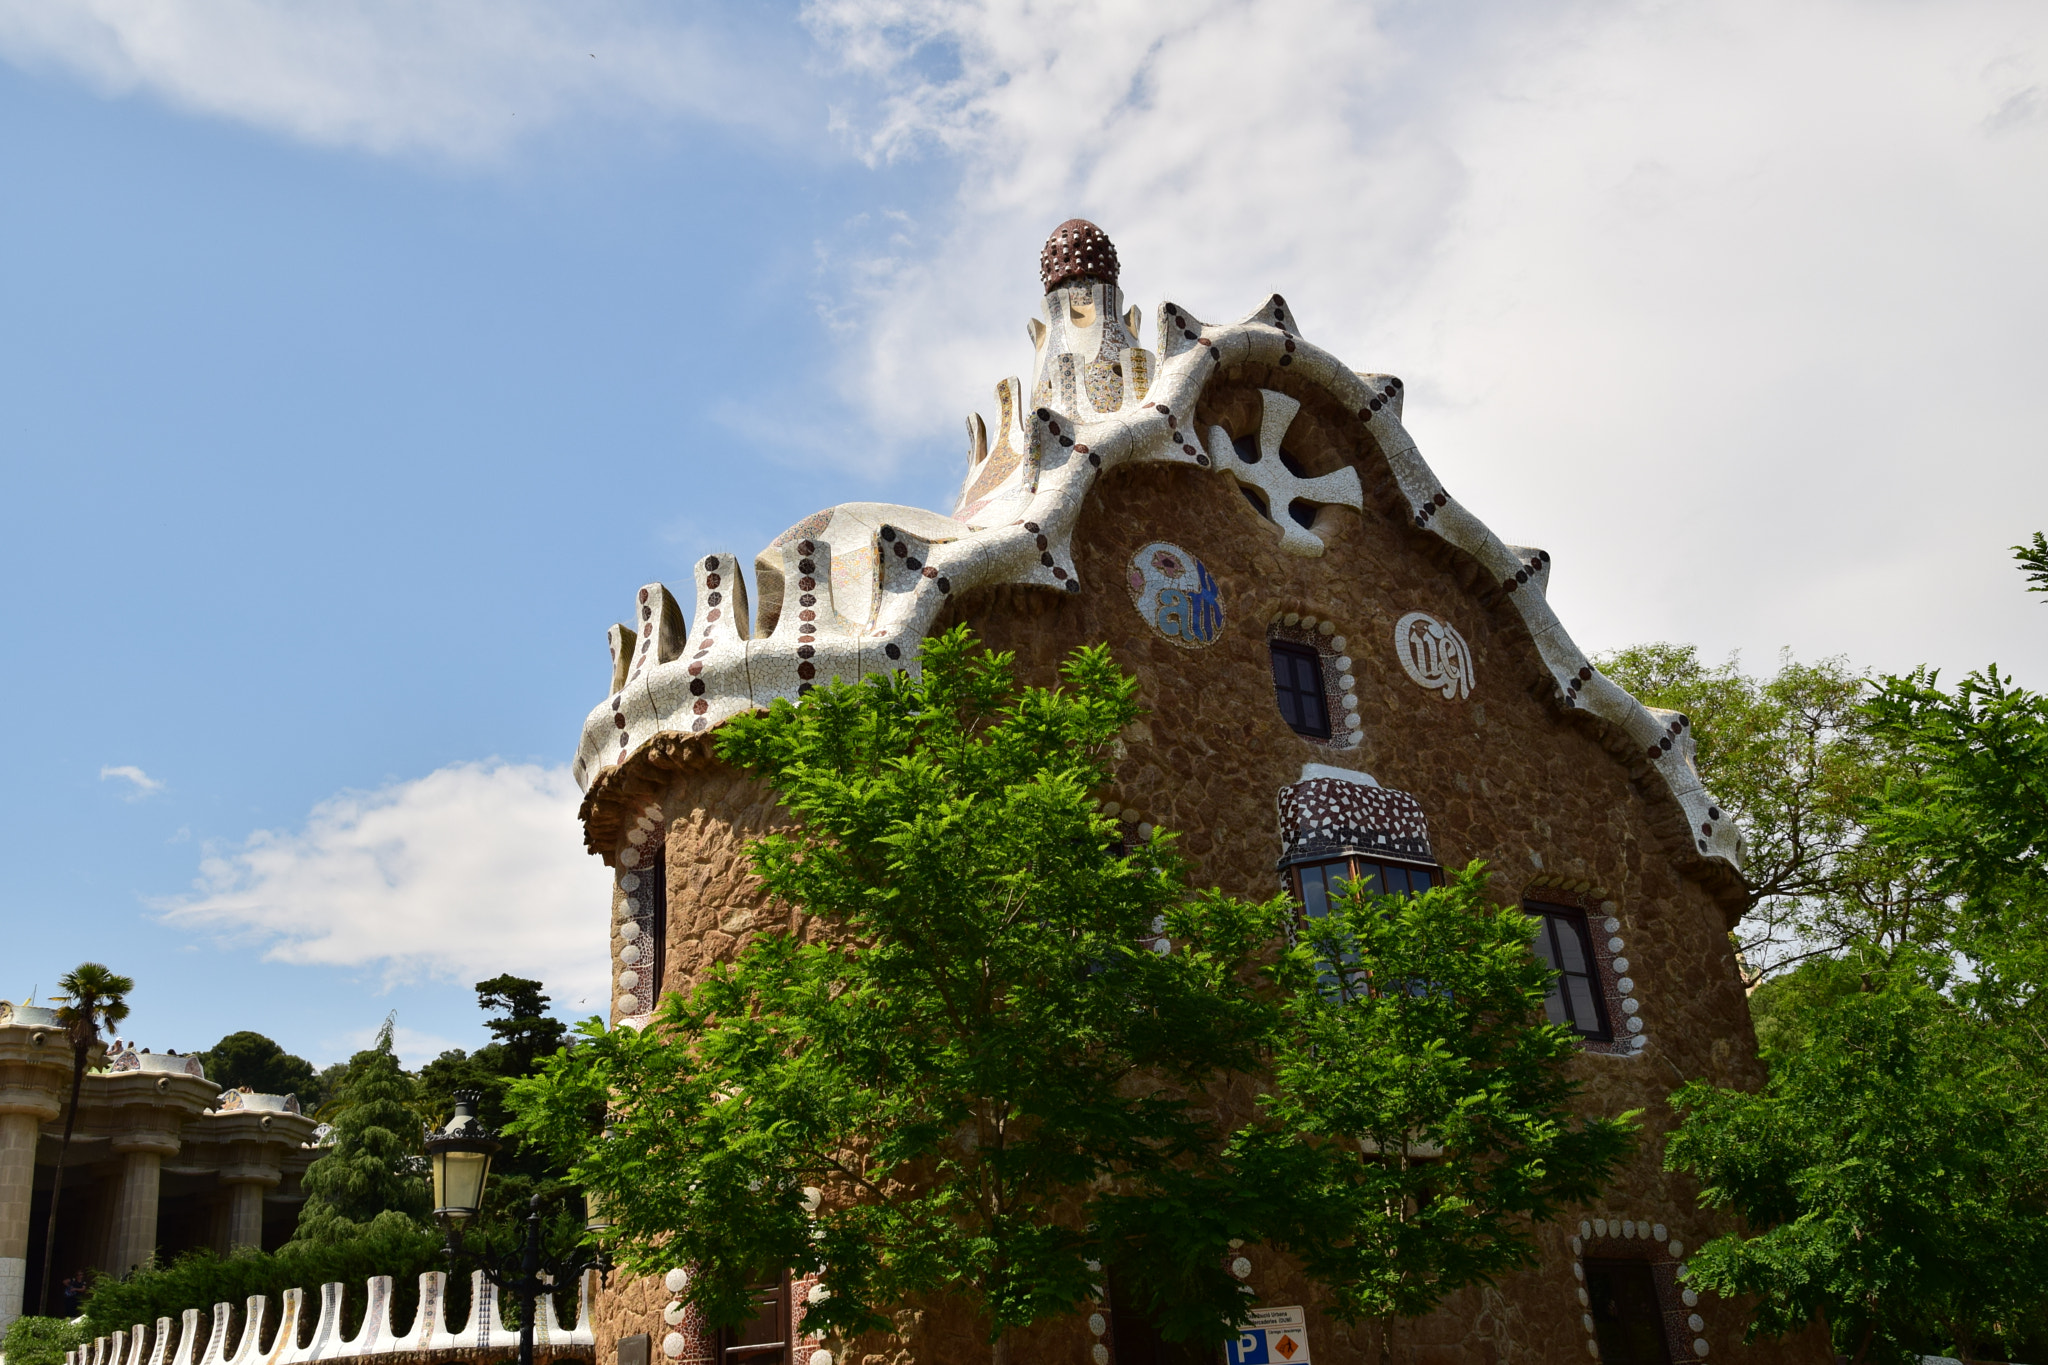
(161, 1160)
(1347, 674)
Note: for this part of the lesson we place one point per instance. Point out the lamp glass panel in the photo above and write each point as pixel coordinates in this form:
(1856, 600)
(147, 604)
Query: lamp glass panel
(459, 1182)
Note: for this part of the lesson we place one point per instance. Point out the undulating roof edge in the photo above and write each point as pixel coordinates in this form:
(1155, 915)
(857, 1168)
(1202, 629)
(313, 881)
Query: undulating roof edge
(852, 590)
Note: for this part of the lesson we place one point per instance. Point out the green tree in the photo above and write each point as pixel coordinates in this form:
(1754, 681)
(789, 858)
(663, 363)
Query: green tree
(2033, 561)
(1420, 1121)
(329, 1082)
(520, 1022)
(1794, 758)
(523, 1033)
(253, 1060)
(1894, 1172)
(1894, 1167)
(978, 1070)
(94, 997)
(374, 1172)
(1975, 808)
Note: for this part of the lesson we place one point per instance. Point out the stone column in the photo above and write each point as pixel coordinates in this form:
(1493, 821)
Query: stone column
(245, 1215)
(246, 1186)
(18, 1130)
(135, 1206)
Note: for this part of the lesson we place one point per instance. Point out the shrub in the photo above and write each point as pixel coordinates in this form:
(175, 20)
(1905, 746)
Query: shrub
(392, 1245)
(40, 1341)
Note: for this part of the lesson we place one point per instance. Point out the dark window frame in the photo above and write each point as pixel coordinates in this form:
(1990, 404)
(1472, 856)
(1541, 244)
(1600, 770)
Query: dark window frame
(1135, 1338)
(1303, 660)
(1297, 882)
(657, 916)
(1351, 981)
(1652, 1346)
(1556, 919)
(773, 1295)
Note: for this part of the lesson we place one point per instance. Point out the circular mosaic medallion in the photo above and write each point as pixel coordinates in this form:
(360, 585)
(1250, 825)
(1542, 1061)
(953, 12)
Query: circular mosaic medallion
(1434, 654)
(1173, 591)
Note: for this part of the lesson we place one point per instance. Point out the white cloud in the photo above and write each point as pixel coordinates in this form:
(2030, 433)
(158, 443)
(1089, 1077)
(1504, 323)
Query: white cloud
(459, 79)
(1733, 307)
(142, 784)
(412, 1047)
(472, 870)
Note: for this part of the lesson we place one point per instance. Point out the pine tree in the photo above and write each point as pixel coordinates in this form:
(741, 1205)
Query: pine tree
(374, 1171)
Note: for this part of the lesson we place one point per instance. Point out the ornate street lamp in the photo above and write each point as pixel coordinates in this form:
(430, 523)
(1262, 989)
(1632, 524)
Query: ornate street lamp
(597, 1218)
(460, 1155)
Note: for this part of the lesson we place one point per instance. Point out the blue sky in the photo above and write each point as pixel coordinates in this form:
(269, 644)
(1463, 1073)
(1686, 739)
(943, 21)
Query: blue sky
(356, 368)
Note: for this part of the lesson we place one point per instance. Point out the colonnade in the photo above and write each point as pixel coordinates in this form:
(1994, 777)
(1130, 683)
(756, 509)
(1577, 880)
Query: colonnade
(155, 1117)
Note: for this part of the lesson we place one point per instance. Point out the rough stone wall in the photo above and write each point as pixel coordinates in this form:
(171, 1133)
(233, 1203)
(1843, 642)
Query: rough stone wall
(1507, 774)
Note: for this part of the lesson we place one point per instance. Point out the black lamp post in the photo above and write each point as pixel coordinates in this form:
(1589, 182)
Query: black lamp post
(460, 1157)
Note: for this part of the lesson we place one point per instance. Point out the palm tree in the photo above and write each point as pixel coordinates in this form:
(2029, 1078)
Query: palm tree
(96, 997)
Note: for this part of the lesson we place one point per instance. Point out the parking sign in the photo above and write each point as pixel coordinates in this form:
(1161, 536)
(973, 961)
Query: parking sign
(1271, 1336)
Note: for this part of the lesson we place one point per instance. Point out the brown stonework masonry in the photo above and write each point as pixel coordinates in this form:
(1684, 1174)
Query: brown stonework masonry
(1511, 775)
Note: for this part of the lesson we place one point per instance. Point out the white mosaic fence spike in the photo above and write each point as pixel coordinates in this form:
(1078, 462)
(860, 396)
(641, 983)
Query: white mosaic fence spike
(429, 1321)
(188, 1338)
(325, 1341)
(428, 1334)
(547, 1329)
(254, 1309)
(375, 1335)
(1020, 506)
(217, 1337)
(291, 1317)
(160, 1347)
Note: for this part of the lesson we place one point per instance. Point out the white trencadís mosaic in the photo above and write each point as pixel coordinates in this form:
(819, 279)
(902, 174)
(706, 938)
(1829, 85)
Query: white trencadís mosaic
(1026, 487)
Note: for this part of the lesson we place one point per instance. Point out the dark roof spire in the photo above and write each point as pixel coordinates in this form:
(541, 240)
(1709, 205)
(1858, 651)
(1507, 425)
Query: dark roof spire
(1076, 248)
